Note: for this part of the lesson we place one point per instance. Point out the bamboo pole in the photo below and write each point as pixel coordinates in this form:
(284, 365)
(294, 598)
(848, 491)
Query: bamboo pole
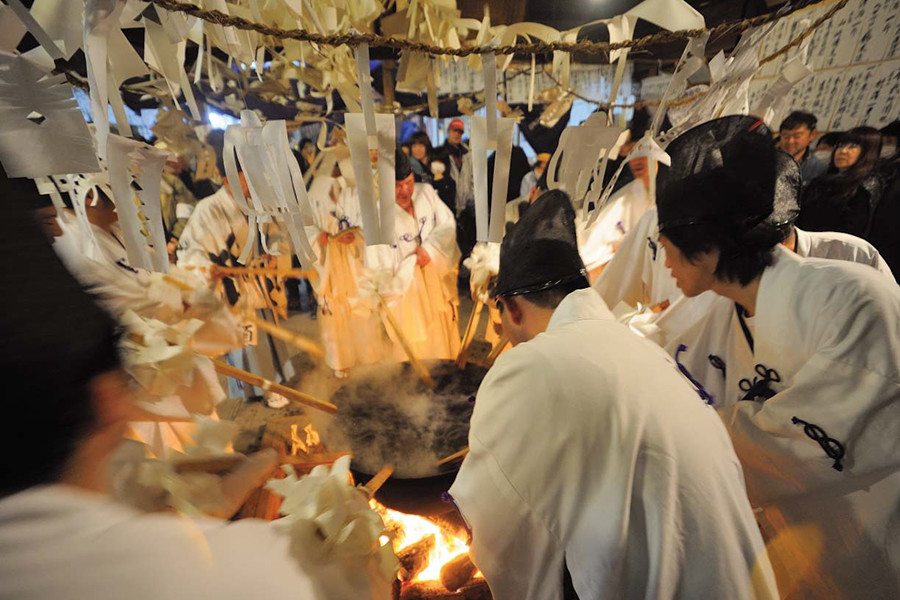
(289, 273)
(417, 365)
(314, 460)
(223, 464)
(374, 484)
(455, 456)
(261, 382)
(286, 335)
(502, 343)
(471, 327)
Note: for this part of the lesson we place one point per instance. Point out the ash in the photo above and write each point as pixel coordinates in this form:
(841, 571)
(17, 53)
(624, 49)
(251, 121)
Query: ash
(387, 416)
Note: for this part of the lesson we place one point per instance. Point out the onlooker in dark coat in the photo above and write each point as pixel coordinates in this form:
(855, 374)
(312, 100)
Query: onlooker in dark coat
(846, 197)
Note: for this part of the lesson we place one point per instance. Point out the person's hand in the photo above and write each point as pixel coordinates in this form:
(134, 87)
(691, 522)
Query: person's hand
(171, 246)
(347, 238)
(253, 472)
(422, 257)
(323, 239)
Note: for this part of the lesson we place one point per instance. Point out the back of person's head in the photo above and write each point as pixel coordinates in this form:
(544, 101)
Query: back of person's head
(830, 139)
(798, 118)
(869, 141)
(640, 123)
(55, 341)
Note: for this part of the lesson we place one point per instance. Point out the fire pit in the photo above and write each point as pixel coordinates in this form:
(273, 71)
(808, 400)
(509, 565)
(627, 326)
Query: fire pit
(388, 416)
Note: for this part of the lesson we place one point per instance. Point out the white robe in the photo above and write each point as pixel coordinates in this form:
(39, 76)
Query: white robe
(598, 242)
(588, 450)
(831, 331)
(637, 273)
(428, 299)
(352, 333)
(61, 542)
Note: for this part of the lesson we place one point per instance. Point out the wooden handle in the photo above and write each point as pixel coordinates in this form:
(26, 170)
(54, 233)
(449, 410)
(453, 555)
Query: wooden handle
(378, 480)
(314, 460)
(272, 272)
(261, 382)
(286, 335)
(455, 456)
(417, 365)
(502, 343)
(471, 327)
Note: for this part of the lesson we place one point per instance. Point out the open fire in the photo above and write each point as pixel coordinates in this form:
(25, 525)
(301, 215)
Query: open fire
(425, 548)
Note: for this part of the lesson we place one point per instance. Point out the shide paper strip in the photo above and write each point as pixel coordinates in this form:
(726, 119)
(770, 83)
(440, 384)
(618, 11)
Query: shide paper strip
(376, 208)
(42, 132)
(135, 170)
(100, 18)
(277, 192)
(772, 105)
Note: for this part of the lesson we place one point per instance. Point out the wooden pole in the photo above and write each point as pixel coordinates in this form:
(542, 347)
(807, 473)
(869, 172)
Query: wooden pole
(502, 343)
(261, 382)
(288, 273)
(417, 365)
(378, 480)
(455, 456)
(286, 335)
(471, 327)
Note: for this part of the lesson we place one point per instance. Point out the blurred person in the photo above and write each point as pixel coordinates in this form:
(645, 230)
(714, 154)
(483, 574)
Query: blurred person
(531, 178)
(883, 233)
(423, 260)
(460, 161)
(443, 184)
(796, 133)
(593, 469)
(846, 197)
(518, 169)
(351, 333)
(890, 135)
(808, 350)
(420, 156)
(176, 204)
(62, 535)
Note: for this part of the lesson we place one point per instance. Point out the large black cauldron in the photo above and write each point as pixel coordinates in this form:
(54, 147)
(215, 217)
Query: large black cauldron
(388, 416)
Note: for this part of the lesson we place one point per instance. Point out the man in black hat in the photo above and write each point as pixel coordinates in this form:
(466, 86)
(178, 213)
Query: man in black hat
(594, 471)
(808, 353)
(424, 257)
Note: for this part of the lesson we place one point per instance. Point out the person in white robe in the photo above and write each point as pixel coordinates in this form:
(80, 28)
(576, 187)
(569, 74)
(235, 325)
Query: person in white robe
(637, 274)
(593, 468)
(61, 535)
(424, 266)
(352, 333)
(807, 362)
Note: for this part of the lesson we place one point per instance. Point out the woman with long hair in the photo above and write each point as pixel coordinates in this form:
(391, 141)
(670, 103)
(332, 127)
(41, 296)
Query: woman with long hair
(845, 198)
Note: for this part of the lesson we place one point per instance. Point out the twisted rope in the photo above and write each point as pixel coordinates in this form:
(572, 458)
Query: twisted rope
(379, 41)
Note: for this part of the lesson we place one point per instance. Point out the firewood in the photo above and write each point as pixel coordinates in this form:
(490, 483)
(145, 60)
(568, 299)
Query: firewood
(458, 572)
(433, 590)
(414, 558)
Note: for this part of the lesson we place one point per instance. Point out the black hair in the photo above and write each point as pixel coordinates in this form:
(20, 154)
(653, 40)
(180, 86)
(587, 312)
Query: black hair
(56, 340)
(892, 129)
(304, 142)
(551, 297)
(420, 137)
(830, 139)
(743, 253)
(869, 141)
(798, 118)
(542, 181)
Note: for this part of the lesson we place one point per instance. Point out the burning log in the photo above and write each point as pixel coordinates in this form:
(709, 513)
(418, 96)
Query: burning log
(414, 558)
(458, 572)
(432, 590)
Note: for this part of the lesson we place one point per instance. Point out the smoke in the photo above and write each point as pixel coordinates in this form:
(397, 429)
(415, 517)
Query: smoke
(387, 416)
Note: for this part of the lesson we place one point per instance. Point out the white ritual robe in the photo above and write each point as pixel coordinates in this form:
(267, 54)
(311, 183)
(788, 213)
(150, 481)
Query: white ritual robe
(61, 542)
(598, 242)
(830, 330)
(428, 299)
(217, 229)
(637, 273)
(352, 333)
(589, 452)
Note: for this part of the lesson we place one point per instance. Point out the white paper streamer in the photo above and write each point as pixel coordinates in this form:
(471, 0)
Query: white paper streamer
(377, 211)
(36, 30)
(56, 140)
(364, 78)
(100, 18)
(489, 227)
(133, 161)
(275, 181)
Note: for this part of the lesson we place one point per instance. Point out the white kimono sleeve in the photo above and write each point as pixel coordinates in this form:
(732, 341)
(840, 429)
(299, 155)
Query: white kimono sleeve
(441, 241)
(624, 278)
